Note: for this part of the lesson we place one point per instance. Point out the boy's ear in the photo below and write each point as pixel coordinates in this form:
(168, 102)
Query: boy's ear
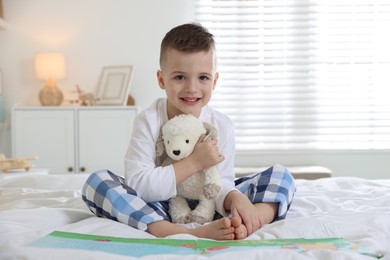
(160, 79)
(211, 133)
(215, 80)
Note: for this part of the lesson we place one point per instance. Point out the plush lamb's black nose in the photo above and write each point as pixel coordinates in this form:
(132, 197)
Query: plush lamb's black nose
(176, 152)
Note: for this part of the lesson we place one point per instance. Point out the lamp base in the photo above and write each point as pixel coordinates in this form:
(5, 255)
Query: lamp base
(50, 95)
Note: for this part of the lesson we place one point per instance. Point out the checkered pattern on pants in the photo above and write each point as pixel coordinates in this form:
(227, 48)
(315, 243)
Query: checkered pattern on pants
(275, 184)
(107, 195)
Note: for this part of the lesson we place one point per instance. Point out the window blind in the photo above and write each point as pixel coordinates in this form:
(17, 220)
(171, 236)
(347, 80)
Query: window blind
(303, 74)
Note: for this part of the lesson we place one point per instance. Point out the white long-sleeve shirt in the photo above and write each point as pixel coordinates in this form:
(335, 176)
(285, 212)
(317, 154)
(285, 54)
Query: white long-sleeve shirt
(156, 183)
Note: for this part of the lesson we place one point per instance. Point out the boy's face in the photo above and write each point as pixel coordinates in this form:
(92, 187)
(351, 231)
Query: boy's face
(189, 80)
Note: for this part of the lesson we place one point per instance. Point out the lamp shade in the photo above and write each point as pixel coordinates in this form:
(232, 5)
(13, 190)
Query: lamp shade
(50, 65)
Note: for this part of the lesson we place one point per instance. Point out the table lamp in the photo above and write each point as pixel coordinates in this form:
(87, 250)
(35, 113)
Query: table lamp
(50, 67)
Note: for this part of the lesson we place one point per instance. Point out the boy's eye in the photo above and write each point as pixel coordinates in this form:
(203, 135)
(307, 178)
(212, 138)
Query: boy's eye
(187, 141)
(203, 78)
(179, 77)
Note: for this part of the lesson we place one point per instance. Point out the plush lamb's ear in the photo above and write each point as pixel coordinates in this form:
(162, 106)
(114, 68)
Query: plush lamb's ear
(160, 145)
(211, 133)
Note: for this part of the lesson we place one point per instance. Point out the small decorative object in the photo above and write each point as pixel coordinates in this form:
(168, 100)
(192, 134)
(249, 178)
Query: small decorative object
(50, 67)
(85, 99)
(179, 136)
(15, 163)
(114, 85)
(130, 101)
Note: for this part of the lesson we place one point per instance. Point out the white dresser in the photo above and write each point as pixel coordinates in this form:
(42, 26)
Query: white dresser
(73, 139)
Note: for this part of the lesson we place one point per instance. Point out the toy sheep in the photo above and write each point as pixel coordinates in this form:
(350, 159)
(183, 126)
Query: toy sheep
(179, 136)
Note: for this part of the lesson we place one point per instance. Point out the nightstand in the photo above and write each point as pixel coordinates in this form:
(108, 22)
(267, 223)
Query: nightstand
(83, 139)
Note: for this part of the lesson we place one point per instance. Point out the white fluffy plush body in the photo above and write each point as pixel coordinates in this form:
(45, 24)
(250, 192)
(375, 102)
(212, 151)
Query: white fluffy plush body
(179, 136)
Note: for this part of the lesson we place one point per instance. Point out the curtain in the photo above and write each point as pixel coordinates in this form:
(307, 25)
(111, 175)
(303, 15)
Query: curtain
(303, 74)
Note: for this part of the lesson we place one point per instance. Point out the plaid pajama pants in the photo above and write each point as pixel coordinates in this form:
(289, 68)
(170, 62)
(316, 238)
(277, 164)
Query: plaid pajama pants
(107, 196)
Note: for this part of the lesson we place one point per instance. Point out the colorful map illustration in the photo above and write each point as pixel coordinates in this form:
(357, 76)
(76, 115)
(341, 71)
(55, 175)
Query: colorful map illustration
(141, 247)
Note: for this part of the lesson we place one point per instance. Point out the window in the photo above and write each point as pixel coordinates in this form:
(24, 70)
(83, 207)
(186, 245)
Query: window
(303, 74)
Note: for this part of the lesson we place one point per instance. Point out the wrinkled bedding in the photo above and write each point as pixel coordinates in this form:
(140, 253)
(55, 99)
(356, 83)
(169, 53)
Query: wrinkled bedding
(32, 206)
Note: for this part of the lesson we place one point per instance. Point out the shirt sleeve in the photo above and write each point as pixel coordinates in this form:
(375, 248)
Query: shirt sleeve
(151, 182)
(226, 143)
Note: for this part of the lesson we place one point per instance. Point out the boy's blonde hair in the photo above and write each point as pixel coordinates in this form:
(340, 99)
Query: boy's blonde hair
(190, 37)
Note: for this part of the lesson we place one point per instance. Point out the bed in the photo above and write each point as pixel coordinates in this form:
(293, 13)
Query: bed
(34, 205)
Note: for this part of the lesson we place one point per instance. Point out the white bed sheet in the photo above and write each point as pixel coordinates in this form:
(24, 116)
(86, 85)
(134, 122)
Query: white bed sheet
(32, 206)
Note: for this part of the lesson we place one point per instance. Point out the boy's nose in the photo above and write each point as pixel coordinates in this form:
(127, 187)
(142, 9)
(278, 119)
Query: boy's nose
(176, 152)
(191, 87)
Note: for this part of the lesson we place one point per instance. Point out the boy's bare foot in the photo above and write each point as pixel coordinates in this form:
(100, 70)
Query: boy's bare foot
(240, 231)
(268, 211)
(220, 229)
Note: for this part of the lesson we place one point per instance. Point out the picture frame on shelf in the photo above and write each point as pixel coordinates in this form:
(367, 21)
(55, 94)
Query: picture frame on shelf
(114, 85)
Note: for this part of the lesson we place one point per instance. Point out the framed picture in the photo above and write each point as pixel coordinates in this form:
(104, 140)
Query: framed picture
(114, 85)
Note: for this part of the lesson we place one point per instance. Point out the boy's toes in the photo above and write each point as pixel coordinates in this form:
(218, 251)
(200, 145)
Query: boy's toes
(224, 223)
(229, 236)
(240, 232)
(236, 222)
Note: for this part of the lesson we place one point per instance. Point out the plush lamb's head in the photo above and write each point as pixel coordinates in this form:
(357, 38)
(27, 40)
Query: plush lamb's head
(175, 133)
(180, 134)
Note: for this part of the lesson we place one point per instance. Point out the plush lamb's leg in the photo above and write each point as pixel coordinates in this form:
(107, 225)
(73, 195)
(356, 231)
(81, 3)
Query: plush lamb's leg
(204, 212)
(179, 210)
(212, 183)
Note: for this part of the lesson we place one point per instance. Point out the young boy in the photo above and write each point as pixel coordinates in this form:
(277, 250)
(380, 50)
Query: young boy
(188, 75)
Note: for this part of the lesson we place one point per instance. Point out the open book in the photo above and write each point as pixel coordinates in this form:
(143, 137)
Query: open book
(141, 247)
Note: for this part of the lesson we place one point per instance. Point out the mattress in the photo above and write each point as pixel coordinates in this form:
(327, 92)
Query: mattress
(35, 205)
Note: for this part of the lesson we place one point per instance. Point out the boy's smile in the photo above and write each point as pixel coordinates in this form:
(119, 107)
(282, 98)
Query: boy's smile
(190, 101)
(188, 80)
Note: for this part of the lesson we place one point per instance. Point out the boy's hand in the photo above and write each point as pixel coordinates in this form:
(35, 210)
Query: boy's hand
(206, 154)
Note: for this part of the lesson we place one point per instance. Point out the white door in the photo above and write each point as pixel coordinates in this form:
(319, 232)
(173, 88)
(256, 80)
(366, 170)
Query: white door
(48, 134)
(103, 139)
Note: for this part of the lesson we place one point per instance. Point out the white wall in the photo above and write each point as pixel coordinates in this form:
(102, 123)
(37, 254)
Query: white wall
(91, 34)
(97, 33)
